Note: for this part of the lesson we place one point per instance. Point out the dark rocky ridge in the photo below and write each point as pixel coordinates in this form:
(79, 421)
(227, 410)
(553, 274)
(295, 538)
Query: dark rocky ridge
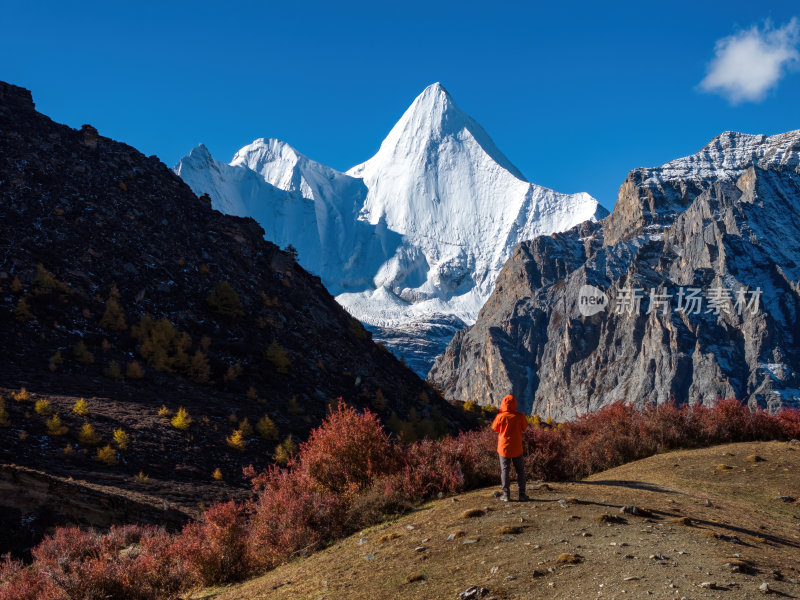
(728, 217)
(95, 214)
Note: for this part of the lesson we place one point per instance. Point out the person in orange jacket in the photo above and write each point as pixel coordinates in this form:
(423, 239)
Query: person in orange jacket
(509, 424)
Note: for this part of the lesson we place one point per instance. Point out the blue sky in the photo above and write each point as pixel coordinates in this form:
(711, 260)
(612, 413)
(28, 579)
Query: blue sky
(574, 94)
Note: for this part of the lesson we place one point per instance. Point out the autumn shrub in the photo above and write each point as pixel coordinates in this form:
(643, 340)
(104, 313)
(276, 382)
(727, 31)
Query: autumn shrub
(291, 516)
(347, 451)
(431, 468)
(199, 368)
(113, 317)
(81, 407)
(727, 421)
(215, 548)
(278, 357)
(82, 354)
(224, 300)
(85, 564)
(267, 429)
(55, 426)
(181, 420)
(21, 396)
(121, 439)
(55, 361)
(236, 440)
(88, 436)
(112, 370)
(106, 455)
(45, 283)
(23, 582)
(668, 426)
(134, 370)
(285, 450)
(609, 436)
(546, 453)
(42, 407)
(22, 311)
(476, 453)
(161, 345)
(789, 421)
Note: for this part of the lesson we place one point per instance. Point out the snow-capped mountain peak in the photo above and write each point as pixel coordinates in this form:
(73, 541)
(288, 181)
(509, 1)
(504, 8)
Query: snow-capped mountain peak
(431, 118)
(416, 234)
(439, 180)
(282, 166)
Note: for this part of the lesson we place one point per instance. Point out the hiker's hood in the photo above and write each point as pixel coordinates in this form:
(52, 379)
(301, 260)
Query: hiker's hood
(509, 404)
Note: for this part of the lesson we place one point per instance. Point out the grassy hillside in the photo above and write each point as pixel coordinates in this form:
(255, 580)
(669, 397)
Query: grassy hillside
(573, 541)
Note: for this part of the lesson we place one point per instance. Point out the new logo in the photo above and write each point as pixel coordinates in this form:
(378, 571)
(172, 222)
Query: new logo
(591, 300)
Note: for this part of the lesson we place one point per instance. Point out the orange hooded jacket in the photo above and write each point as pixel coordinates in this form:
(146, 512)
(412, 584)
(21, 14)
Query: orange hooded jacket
(509, 424)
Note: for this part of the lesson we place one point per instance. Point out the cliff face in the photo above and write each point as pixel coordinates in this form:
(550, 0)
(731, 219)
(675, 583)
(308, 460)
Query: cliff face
(119, 285)
(726, 219)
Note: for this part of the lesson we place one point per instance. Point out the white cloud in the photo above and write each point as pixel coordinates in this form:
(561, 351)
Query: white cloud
(749, 63)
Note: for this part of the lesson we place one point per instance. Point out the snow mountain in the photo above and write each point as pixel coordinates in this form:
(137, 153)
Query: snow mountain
(412, 240)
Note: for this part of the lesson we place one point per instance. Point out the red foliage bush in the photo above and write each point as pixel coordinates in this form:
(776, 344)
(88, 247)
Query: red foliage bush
(20, 582)
(214, 549)
(476, 453)
(789, 421)
(545, 453)
(291, 515)
(610, 436)
(84, 564)
(347, 452)
(727, 421)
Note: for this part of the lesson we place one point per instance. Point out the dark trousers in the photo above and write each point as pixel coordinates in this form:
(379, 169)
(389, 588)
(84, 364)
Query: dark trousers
(505, 471)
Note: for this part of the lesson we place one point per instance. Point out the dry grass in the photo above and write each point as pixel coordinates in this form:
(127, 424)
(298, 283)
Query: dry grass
(739, 565)
(510, 530)
(458, 533)
(569, 559)
(606, 518)
(472, 513)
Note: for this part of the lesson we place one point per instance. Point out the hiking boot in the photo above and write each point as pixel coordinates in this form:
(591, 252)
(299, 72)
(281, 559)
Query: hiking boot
(505, 498)
(524, 498)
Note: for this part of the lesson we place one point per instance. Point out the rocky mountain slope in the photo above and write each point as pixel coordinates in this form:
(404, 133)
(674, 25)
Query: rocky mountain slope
(120, 287)
(412, 240)
(716, 234)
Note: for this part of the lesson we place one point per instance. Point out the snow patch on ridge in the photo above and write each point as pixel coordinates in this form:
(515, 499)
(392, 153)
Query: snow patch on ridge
(729, 154)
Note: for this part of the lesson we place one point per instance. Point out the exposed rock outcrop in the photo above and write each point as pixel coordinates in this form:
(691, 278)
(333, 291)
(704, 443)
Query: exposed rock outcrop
(727, 218)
